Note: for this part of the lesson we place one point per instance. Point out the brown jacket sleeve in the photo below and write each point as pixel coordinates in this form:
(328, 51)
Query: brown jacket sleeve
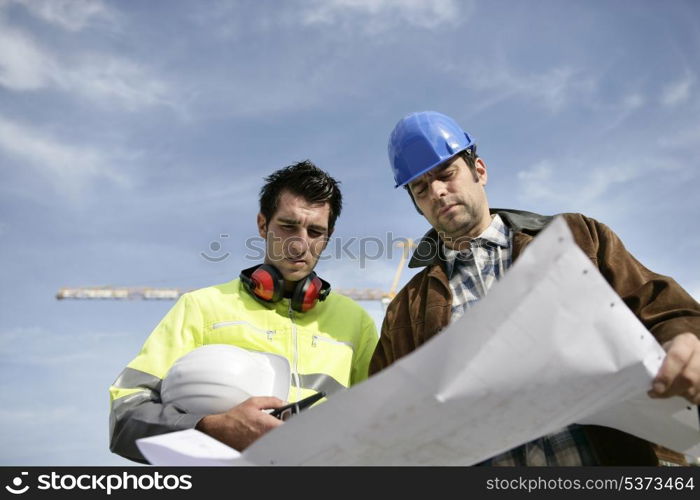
(658, 301)
(382, 356)
(419, 311)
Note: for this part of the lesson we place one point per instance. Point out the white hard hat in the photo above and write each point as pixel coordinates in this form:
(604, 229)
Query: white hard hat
(216, 377)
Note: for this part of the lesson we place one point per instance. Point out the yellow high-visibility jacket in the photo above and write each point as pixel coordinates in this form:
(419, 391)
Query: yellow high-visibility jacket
(328, 348)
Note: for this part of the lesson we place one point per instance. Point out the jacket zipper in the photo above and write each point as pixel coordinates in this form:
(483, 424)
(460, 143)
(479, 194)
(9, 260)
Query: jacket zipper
(269, 333)
(295, 365)
(319, 338)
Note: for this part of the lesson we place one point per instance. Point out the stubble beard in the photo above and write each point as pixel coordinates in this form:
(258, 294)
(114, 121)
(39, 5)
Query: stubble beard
(460, 225)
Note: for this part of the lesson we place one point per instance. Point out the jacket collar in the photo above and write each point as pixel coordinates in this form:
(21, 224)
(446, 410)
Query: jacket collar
(429, 249)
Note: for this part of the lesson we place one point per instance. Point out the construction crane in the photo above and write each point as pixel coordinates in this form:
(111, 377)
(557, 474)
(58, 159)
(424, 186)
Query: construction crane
(152, 293)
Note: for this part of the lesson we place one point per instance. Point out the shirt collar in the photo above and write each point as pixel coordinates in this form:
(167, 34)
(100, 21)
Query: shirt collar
(495, 234)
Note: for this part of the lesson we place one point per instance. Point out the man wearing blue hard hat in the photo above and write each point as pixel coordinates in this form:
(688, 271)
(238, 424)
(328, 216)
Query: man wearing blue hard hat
(471, 246)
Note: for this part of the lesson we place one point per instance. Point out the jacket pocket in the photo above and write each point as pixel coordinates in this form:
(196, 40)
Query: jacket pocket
(315, 339)
(323, 354)
(246, 335)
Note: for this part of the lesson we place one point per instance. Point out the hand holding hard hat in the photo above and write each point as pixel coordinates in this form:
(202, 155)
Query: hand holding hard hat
(232, 387)
(216, 377)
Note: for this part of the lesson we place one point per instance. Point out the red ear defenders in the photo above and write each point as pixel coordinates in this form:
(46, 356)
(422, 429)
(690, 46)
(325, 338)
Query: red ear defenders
(266, 284)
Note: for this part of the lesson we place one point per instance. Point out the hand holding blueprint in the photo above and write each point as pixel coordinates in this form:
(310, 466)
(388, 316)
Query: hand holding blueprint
(551, 345)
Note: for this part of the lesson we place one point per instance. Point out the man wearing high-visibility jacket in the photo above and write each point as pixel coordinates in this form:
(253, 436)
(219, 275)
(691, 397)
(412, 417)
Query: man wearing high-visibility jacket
(280, 307)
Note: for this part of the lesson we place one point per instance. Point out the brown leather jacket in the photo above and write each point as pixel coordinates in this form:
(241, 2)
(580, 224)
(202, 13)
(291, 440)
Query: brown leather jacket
(423, 307)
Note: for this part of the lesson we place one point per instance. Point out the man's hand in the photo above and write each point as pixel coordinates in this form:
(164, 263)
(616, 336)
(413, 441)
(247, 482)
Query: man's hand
(242, 424)
(679, 374)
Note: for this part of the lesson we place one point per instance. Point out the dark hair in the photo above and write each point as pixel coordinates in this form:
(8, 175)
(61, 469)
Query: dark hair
(469, 155)
(302, 179)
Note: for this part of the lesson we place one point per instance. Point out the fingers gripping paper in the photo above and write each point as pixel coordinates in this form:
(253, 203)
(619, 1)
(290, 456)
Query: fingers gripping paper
(551, 345)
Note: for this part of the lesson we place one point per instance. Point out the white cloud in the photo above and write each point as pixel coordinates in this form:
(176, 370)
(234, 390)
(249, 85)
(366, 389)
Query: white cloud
(618, 113)
(378, 15)
(228, 19)
(687, 137)
(536, 183)
(585, 186)
(677, 92)
(23, 65)
(554, 89)
(72, 15)
(109, 80)
(209, 194)
(633, 101)
(70, 169)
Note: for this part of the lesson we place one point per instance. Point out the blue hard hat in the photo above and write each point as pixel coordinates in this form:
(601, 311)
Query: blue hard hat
(422, 141)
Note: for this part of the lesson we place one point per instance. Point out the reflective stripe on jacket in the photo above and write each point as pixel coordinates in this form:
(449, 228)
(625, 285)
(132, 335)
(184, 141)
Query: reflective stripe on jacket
(328, 348)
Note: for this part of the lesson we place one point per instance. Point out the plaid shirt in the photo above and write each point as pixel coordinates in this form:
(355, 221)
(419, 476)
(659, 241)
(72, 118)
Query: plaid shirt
(471, 274)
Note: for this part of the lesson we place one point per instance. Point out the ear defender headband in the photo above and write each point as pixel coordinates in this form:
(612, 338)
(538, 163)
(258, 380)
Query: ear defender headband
(266, 284)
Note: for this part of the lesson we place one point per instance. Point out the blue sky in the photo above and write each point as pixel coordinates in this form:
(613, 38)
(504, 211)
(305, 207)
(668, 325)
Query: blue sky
(133, 134)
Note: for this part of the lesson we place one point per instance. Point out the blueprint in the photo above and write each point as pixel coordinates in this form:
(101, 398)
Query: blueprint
(551, 345)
